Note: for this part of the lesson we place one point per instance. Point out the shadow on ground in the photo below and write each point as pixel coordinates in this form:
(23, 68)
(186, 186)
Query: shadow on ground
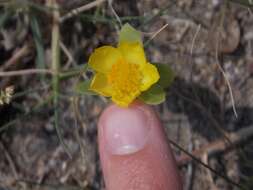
(208, 117)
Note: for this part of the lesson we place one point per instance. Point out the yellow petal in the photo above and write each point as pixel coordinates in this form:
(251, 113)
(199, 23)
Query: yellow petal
(150, 76)
(126, 99)
(121, 102)
(100, 85)
(102, 59)
(133, 52)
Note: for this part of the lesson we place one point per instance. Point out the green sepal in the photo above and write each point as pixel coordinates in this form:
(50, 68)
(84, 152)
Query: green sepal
(154, 95)
(83, 88)
(129, 34)
(167, 75)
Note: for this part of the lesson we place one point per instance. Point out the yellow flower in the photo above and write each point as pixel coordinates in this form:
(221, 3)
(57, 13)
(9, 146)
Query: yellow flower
(122, 73)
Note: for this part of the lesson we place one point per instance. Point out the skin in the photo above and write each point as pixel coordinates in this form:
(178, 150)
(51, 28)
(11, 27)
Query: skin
(152, 167)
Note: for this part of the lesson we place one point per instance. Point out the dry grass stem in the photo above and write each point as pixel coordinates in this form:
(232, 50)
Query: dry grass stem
(68, 54)
(154, 34)
(158, 31)
(228, 84)
(114, 12)
(81, 9)
(192, 47)
(217, 57)
(194, 39)
(26, 72)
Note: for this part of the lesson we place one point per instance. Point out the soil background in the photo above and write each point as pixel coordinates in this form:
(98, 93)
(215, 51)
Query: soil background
(206, 43)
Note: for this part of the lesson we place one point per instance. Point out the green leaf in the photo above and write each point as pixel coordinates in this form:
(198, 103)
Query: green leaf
(129, 34)
(38, 42)
(154, 95)
(167, 75)
(83, 88)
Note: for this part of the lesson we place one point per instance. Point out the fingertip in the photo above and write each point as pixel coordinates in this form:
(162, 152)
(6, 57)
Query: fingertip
(133, 150)
(125, 130)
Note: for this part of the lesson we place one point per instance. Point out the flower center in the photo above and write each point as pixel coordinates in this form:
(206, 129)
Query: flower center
(125, 79)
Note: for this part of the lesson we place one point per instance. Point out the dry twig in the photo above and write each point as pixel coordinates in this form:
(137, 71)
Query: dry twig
(204, 159)
(219, 145)
(22, 52)
(10, 161)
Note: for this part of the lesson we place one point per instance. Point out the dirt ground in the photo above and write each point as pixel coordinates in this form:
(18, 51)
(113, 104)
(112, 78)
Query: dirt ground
(207, 43)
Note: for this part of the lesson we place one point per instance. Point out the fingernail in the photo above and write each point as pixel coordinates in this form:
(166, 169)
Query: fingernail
(126, 130)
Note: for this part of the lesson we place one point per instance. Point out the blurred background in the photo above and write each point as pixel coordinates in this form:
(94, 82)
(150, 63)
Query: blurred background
(48, 134)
